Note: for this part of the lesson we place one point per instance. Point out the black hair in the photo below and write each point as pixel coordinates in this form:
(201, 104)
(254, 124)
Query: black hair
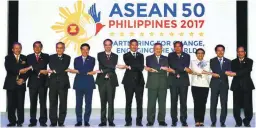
(177, 42)
(241, 47)
(85, 44)
(133, 40)
(200, 49)
(16, 43)
(38, 42)
(60, 43)
(107, 40)
(219, 45)
(157, 44)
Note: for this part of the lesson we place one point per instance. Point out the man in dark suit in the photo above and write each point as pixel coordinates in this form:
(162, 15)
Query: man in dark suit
(178, 79)
(219, 84)
(107, 82)
(156, 65)
(58, 85)
(36, 84)
(242, 86)
(15, 85)
(133, 82)
(84, 84)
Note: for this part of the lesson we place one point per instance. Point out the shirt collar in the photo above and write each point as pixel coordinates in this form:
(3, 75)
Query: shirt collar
(17, 55)
(59, 55)
(133, 52)
(220, 58)
(38, 54)
(108, 53)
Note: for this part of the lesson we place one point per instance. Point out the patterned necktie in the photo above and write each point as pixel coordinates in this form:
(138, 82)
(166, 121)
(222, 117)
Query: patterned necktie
(158, 59)
(108, 56)
(37, 57)
(134, 54)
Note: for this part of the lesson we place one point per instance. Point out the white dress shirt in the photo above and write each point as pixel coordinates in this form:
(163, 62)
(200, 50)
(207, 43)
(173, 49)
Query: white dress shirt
(199, 79)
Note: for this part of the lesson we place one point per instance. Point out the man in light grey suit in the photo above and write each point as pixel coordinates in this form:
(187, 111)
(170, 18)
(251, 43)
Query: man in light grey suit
(157, 66)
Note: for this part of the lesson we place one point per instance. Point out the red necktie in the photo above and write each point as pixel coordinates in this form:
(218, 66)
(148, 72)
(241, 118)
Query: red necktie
(37, 58)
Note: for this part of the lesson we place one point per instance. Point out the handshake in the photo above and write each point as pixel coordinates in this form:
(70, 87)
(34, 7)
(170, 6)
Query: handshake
(123, 67)
(167, 69)
(25, 70)
(230, 73)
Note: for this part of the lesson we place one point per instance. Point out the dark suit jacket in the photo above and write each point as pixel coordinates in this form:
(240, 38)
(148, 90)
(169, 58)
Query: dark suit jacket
(133, 77)
(243, 70)
(215, 67)
(35, 81)
(82, 80)
(107, 67)
(158, 79)
(179, 64)
(59, 79)
(13, 68)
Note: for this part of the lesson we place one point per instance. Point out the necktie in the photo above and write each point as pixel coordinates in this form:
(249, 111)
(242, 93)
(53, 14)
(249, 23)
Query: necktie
(158, 59)
(134, 54)
(17, 58)
(200, 64)
(108, 56)
(37, 57)
(83, 60)
(220, 60)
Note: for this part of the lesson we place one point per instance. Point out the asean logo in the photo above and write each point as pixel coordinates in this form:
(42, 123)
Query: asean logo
(78, 26)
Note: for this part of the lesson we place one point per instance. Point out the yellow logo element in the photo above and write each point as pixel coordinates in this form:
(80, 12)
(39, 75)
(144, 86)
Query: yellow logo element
(78, 27)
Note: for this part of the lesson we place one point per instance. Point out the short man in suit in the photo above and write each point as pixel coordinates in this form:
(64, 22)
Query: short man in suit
(133, 81)
(242, 86)
(156, 66)
(219, 84)
(15, 85)
(178, 79)
(37, 83)
(107, 81)
(84, 83)
(58, 85)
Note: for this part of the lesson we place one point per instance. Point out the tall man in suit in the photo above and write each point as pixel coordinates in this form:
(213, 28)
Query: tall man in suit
(58, 85)
(178, 79)
(242, 86)
(219, 84)
(36, 83)
(156, 66)
(107, 81)
(133, 81)
(84, 83)
(15, 85)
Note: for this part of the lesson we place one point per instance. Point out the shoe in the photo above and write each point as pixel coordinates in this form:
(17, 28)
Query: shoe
(86, 124)
(184, 124)
(11, 125)
(139, 124)
(174, 124)
(201, 125)
(78, 124)
(102, 124)
(111, 124)
(19, 125)
(150, 124)
(223, 125)
(61, 125)
(43, 124)
(31, 125)
(197, 124)
(128, 124)
(162, 124)
(238, 125)
(247, 125)
(213, 125)
(53, 125)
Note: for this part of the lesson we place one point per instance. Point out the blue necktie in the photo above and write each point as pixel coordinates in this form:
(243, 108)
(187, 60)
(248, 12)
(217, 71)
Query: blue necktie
(220, 60)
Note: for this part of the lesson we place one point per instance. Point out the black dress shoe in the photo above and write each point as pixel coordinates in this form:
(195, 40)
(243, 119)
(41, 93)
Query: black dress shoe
(223, 125)
(238, 125)
(43, 124)
(112, 124)
(61, 125)
(184, 124)
(32, 125)
(78, 124)
(174, 124)
(201, 125)
(139, 124)
(162, 124)
(102, 124)
(86, 124)
(53, 125)
(11, 125)
(150, 124)
(128, 124)
(247, 125)
(213, 125)
(19, 125)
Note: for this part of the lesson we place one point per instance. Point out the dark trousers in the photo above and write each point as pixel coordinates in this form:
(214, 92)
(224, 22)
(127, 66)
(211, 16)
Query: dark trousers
(15, 102)
(182, 92)
(153, 96)
(129, 92)
(217, 91)
(33, 94)
(200, 95)
(54, 95)
(80, 94)
(242, 99)
(107, 95)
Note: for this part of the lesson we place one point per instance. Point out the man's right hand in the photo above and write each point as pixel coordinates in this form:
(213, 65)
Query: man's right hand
(45, 72)
(215, 75)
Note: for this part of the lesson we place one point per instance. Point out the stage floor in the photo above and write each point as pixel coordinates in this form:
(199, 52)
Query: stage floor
(120, 115)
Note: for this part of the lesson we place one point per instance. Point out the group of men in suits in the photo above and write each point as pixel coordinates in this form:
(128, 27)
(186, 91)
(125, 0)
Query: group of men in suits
(164, 73)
